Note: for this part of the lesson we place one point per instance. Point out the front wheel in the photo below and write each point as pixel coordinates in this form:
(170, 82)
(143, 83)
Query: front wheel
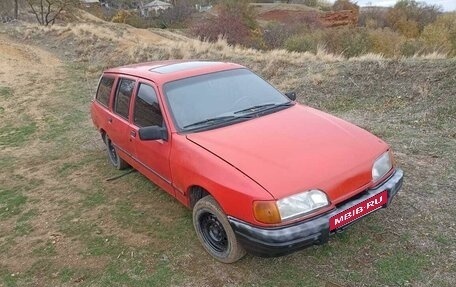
(214, 231)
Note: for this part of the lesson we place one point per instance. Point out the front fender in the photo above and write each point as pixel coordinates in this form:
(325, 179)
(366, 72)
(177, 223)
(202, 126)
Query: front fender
(193, 165)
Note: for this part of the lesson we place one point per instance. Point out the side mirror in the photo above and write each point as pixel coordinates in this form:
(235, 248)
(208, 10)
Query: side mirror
(153, 133)
(291, 95)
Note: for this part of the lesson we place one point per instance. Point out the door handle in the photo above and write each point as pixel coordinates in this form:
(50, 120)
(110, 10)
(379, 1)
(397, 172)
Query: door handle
(109, 120)
(133, 134)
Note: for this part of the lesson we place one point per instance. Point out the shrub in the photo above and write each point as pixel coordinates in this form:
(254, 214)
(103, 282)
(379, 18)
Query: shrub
(410, 17)
(275, 34)
(121, 16)
(176, 15)
(344, 41)
(305, 42)
(412, 47)
(373, 18)
(386, 42)
(345, 5)
(311, 3)
(441, 35)
(235, 22)
(348, 42)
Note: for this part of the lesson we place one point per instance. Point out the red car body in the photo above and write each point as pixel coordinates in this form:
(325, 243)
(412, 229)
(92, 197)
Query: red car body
(266, 158)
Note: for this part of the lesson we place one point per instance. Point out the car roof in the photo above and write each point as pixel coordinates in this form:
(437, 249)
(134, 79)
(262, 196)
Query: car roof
(164, 71)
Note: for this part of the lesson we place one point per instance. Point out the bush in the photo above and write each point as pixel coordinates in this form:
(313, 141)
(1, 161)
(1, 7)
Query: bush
(373, 18)
(275, 34)
(177, 15)
(340, 5)
(344, 41)
(235, 22)
(386, 42)
(412, 47)
(348, 42)
(410, 17)
(441, 35)
(121, 16)
(305, 42)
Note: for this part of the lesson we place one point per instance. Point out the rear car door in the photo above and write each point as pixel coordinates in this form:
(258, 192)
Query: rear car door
(118, 121)
(100, 108)
(152, 155)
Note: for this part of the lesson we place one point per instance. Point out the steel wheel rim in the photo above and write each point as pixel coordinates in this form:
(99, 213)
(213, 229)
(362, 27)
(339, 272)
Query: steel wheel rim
(213, 233)
(112, 153)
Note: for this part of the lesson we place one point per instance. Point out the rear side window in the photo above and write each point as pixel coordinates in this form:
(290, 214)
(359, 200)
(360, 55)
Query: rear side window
(123, 96)
(147, 109)
(104, 90)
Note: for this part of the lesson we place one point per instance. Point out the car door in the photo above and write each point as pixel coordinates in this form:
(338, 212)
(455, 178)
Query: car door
(118, 120)
(152, 155)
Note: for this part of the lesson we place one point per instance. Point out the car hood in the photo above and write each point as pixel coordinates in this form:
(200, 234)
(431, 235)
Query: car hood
(297, 149)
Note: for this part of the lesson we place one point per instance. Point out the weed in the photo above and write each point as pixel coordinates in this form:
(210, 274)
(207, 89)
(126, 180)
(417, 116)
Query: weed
(48, 249)
(5, 92)
(400, 268)
(66, 274)
(16, 136)
(11, 202)
(23, 226)
(94, 199)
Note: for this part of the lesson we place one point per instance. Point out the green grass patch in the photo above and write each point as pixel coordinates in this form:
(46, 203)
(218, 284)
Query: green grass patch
(103, 245)
(68, 168)
(23, 226)
(48, 249)
(16, 136)
(61, 126)
(11, 202)
(95, 199)
(5, 92)
(65, 274)
(400, 268)
(72, 225)
(135, 273)
(127, 215)
(9, 278)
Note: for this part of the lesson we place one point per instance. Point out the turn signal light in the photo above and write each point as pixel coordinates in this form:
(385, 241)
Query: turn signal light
(266, 212)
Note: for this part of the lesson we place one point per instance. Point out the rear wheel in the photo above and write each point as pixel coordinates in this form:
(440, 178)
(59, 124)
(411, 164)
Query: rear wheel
(114, 158)
(215, 232)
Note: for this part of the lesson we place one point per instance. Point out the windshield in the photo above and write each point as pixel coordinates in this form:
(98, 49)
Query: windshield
(209, 100)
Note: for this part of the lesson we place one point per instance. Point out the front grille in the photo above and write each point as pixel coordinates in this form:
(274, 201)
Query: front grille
(355, 197)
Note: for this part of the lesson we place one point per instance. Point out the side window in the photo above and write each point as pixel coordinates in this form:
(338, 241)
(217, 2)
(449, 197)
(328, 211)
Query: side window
(104, 90)
(123, 96)
(147, 109)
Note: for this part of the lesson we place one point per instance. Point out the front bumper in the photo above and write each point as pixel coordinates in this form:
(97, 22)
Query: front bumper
(314, 231)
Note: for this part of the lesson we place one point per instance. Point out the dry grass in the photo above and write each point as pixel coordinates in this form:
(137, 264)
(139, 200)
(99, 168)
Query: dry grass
(62, 224)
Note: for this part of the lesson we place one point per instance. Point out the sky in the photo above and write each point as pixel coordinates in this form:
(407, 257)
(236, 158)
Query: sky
(447, 5)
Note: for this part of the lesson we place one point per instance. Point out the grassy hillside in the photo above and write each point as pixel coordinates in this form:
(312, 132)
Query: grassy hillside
(63, 224)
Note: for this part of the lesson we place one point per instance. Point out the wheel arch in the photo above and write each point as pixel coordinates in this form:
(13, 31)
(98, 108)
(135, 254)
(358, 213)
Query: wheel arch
(103, 134)
(195, 193)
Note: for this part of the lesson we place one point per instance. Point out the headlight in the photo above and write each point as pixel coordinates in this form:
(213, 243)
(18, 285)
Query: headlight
(382, 165)
(301, 203)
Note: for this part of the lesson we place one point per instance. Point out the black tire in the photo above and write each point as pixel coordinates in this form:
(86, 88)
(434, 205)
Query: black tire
(113, 156)
(215, 232)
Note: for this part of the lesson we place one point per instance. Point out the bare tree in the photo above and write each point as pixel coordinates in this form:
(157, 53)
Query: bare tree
(46, 11)
(16, 9)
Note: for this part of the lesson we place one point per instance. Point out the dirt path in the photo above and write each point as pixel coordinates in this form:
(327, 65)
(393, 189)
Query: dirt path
(29, 74)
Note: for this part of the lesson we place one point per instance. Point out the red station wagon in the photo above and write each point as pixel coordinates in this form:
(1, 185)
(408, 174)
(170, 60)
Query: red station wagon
(261, 172)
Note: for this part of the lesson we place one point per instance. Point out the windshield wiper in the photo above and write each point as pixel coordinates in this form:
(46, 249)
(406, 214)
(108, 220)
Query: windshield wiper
(264, 107)
(254, 108)
(216, 120)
